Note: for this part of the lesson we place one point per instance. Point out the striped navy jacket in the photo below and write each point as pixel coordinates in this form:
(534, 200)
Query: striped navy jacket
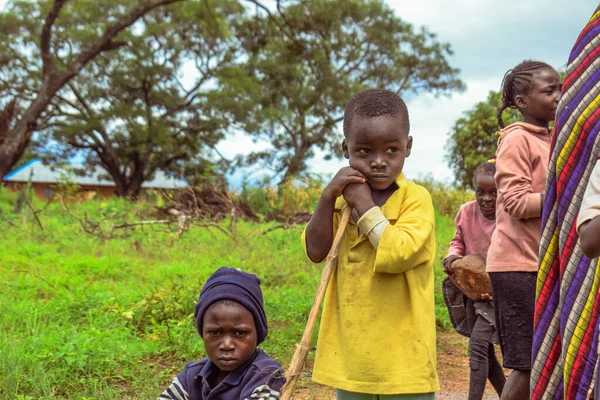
(260, 378)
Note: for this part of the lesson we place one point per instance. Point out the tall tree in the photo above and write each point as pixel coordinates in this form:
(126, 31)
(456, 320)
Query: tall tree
(148, 106)
(43, 45)
(473, 138)
(307, 58)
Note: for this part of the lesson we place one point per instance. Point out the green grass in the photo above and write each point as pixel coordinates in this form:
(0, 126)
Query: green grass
(82, 318)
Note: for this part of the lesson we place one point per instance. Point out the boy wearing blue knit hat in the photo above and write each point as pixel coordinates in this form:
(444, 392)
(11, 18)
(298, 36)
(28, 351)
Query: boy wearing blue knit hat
(231, 320)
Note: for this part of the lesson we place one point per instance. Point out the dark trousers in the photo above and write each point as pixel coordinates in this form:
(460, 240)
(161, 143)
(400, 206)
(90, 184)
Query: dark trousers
(483, 362)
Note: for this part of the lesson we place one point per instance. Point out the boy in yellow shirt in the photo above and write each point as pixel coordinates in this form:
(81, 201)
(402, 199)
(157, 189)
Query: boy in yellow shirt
(377, 335)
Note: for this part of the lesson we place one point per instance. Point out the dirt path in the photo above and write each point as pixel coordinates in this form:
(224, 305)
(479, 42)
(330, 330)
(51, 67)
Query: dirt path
(453, 371)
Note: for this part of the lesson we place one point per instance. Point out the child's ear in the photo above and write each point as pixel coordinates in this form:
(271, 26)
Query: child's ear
(345, 149)
(520, 102)
(409, 143)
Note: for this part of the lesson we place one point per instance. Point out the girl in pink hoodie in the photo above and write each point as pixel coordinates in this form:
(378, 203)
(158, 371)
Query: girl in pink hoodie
(521, 167)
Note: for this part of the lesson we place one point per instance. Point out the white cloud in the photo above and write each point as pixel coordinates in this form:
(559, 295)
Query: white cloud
(238, 143)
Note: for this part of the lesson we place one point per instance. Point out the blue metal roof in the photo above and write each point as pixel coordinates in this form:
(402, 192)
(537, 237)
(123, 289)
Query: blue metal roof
(21, 168)
(41, 173)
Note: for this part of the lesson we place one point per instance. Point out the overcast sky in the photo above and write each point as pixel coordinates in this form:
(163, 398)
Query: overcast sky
(488, 38)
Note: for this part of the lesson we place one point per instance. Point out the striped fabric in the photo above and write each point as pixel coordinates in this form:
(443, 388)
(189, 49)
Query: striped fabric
(566, 318)
(175, 391)
(264, 392)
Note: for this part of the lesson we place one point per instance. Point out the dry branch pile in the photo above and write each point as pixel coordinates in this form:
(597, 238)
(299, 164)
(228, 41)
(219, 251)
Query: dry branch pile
(207, 203)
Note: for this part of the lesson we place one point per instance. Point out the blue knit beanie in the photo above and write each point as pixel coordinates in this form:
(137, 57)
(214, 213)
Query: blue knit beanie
(233, 284)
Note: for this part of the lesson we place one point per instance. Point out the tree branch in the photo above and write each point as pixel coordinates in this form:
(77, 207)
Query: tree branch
(46, 38)
(403, 86)
(287, 128)
(272, 18)
(69, 103)
(79, 96)
(105, 43)
(35, 213)
(78, 145)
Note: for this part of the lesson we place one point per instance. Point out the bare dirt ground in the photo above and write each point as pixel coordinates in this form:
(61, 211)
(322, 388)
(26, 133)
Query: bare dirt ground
(453, 372)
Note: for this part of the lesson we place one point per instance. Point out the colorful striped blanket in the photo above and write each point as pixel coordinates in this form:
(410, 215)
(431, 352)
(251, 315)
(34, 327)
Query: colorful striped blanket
(565, 346)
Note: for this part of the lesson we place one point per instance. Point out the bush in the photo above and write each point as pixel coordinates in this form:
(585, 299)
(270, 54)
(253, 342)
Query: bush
(300, 194)
(173, 304)
(447, 198)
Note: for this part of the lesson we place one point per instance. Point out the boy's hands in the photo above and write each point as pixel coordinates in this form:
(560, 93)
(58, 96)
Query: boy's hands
(319, 231)
(358, 195)
(344, 177)
(448, 262)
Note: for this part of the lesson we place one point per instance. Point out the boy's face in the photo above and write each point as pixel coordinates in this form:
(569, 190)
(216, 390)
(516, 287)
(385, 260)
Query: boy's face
(485, 194)
(229, 335)
(377, 147)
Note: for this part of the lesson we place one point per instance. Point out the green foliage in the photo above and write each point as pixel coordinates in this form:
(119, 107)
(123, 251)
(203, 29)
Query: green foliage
(161, 95)
(312, 57)
(131, 112)
(43, 45)
(446, 198)
(444, 232)
(299, 194)
(90, 319)
(162, 307)
(473, 138)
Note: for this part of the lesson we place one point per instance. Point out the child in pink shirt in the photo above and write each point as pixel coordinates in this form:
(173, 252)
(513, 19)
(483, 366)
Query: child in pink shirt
(475, 223)
(521, 168)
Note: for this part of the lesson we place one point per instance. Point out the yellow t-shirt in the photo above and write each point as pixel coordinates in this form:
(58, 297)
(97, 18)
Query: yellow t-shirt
(377, 331)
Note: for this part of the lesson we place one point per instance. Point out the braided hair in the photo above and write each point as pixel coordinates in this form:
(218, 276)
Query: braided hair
(517, 81)
(487, 168)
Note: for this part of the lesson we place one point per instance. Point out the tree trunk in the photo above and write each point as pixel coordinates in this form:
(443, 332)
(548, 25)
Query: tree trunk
(135, 181)
(111, 165)
(12, 150)
(295, 167)
(126, 186)
(297, 163)
(133, 191)
(18, 138)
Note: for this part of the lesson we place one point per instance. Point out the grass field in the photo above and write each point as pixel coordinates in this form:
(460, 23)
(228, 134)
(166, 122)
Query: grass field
(83, 318)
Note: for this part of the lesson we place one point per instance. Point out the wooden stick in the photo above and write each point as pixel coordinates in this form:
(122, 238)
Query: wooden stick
(295, 369)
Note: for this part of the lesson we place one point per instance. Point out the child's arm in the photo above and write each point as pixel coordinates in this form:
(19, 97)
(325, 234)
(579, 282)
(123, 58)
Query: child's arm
(457, 244)
(176, 391)
(263, 385)
(409, 242)
(319, 231)
(588, 220)
(514, 180)
(589, 234)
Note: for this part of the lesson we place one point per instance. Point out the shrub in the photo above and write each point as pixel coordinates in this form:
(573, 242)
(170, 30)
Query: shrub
(447, 198)
(300, 194)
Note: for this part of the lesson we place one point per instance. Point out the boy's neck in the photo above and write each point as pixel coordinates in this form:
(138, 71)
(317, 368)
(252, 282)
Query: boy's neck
(379, 197)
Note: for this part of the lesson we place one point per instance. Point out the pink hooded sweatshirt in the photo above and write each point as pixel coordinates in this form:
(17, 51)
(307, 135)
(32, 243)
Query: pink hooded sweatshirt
(521, 169)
